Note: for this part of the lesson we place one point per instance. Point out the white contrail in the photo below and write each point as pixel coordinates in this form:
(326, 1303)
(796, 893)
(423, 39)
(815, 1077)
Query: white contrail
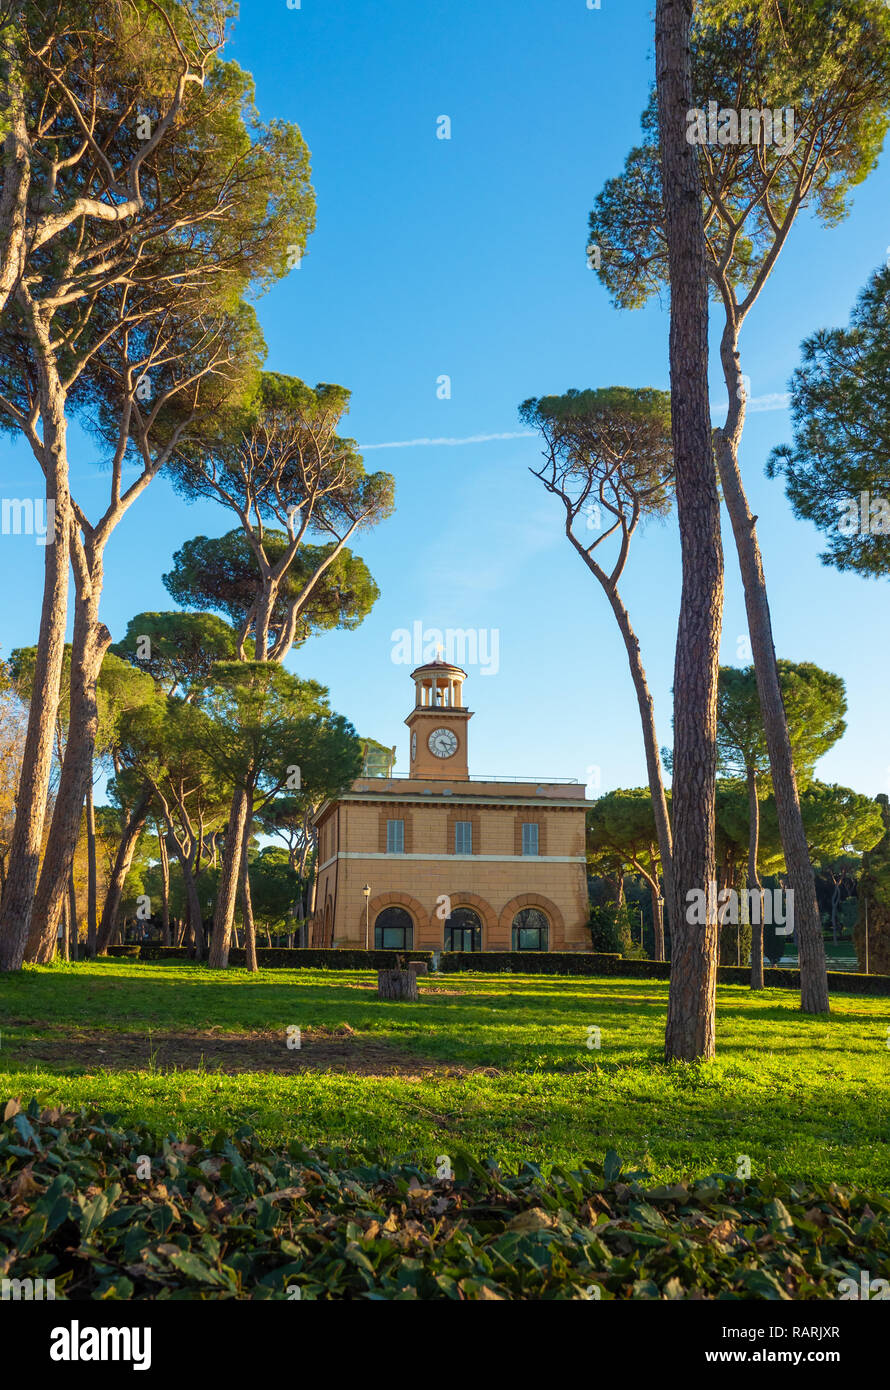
(778, 400)
(428, 443)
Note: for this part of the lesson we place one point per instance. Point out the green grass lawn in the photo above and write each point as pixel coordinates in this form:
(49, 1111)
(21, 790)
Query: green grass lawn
(496, 1065)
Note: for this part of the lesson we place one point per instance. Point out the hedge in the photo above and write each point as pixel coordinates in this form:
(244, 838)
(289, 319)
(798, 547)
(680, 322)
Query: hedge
(594, 963)
(285, 957)
(234, 1219)
(319, 958)
(534, 962)
(510, 962)
(839, 981)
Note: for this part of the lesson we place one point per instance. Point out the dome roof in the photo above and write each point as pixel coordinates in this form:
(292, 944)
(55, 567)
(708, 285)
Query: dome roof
(437, 668)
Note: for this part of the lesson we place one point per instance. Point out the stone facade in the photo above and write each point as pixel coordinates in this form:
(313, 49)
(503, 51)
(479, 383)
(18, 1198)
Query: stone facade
(439, 841)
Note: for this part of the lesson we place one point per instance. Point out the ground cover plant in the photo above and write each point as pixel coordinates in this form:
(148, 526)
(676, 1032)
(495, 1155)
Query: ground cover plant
(498, 1065)
(97, 1209)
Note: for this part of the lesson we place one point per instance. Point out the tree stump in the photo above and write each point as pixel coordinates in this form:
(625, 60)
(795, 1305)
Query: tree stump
(396, 984)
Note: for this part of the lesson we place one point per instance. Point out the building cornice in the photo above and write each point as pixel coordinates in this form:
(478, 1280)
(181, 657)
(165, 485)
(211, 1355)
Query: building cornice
(442, 802)
(445, 859)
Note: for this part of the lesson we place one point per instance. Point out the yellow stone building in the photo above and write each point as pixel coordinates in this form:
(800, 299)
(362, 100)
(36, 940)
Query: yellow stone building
(440, 860)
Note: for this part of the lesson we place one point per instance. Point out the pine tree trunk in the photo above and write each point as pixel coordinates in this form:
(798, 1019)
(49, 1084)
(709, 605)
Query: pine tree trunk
(91, 640)
(224, 915)
(92, 877)
(16, 168)
(165, 886)
(195, 915)
(250, 959)
(27, 835)
(754, 883)
(657, 912)
(807, 921)
(650, 738)
(123, 859)
(690, 1032)
(66, 934)
(72, 919)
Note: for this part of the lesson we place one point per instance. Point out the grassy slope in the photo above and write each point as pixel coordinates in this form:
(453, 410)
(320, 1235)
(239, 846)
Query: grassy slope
(802, 1097)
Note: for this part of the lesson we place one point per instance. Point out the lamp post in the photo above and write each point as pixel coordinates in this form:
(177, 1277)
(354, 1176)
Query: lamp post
(367, 892)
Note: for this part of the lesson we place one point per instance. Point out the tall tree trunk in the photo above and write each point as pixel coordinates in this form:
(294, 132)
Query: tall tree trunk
(224, 915)
(264, 606)
(196, 919)
(165, 886)
(657, 910)
(72, 918)
(650, 738)
(250, 959)
(91, 640)
(690, 1032)
(835, 899)
(92, 887)
(807, 921)
(16, 159)
(65, 937)
(27, 834)
(123, 859)
(754, 883)
(312, 884)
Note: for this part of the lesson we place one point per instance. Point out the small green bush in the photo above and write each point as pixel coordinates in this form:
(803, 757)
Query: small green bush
(610, 930)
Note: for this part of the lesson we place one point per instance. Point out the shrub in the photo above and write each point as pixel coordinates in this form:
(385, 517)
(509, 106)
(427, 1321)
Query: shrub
(610, 929)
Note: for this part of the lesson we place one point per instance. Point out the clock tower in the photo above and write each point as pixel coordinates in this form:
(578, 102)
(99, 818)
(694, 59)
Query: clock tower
(438, 723)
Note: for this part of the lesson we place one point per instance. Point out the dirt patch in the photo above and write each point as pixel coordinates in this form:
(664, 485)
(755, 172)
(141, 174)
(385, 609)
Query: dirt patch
(321, 1049)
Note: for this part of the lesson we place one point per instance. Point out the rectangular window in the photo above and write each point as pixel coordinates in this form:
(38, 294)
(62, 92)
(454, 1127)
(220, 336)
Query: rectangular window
(395, 837)
(529, 837)
(463, 837)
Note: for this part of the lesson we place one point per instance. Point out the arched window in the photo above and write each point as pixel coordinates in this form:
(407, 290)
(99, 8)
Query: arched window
(463, 930)
(531, 930)
(393, 930)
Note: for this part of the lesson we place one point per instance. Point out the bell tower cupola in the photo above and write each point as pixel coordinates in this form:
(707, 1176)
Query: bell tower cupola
(438, 723)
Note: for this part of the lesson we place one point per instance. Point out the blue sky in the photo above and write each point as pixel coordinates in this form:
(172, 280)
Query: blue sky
(465, 257)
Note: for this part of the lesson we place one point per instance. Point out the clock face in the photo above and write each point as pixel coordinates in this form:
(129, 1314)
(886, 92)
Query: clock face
(442, 743)
(414, 745)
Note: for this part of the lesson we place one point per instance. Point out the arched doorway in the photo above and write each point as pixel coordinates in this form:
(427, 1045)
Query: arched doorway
(393, 930)
(463, 930)
(531, 930)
